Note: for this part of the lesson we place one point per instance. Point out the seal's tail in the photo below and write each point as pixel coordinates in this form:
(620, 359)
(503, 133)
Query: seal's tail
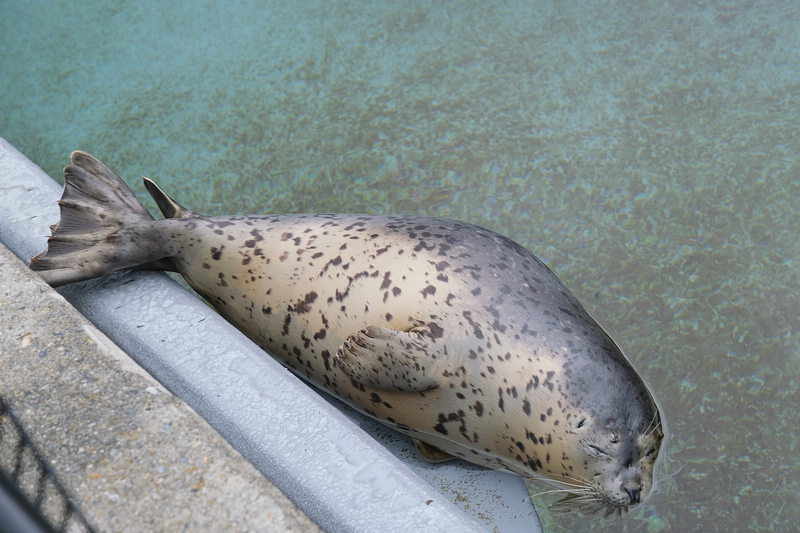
(103, 227)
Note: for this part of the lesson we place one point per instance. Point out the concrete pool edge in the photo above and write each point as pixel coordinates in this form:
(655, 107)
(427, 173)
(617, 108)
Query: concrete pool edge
(131, 456)
(324, 462)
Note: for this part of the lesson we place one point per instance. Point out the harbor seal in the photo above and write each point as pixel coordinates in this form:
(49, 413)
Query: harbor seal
(445, 331)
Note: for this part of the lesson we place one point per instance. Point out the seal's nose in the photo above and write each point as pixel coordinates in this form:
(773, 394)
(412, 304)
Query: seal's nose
(633, 494)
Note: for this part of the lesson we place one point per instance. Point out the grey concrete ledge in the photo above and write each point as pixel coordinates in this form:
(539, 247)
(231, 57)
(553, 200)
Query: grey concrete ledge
(133, 456)
(317, 454)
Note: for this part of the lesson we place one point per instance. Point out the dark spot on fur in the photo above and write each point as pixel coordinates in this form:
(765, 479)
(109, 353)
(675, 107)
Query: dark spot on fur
(423, 246)
(305, 305)
(355, 384)
(440, 426)
(437, 332)
(476, 330)
(430, 289)
(497, 326)
(257, 234)
(336, 261)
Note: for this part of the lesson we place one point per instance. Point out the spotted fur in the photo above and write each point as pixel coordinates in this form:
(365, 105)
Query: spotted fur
(446, 331)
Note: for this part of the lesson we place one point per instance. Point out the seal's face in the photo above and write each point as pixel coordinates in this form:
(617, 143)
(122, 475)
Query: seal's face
(613, 464)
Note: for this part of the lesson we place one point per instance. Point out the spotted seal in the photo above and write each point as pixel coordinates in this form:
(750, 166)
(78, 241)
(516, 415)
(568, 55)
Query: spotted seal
(448, 332)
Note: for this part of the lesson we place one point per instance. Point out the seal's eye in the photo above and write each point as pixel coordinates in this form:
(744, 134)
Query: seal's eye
(614, 438)
(579, 424)
(598, 451)
(650, 453)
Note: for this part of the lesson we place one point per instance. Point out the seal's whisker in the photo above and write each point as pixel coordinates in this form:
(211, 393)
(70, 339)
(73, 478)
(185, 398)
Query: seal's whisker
(577, 483)
(573, 482)
(661, 481)
(574, 488)
(589, 504)
(656, 427)
(559, 491)
(651, 428)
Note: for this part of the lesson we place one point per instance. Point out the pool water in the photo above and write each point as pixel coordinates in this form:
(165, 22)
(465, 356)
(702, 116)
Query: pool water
(648, 152)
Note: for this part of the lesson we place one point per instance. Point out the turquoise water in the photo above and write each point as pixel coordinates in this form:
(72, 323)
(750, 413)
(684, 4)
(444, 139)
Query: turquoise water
(649, 152)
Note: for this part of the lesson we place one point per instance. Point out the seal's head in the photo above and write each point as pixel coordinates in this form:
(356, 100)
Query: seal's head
(613, 462)
(608, 461)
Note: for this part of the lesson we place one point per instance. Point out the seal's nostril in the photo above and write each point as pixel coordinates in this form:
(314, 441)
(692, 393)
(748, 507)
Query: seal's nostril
(633, 494)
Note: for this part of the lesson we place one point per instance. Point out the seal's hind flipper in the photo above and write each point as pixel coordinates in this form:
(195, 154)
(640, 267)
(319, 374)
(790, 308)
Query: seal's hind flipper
(389, 359)
(169, 207)
(103, 227)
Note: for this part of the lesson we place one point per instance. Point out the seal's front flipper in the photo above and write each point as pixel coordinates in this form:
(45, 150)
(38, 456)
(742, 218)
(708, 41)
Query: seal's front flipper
(389, 359)
(431, 453)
